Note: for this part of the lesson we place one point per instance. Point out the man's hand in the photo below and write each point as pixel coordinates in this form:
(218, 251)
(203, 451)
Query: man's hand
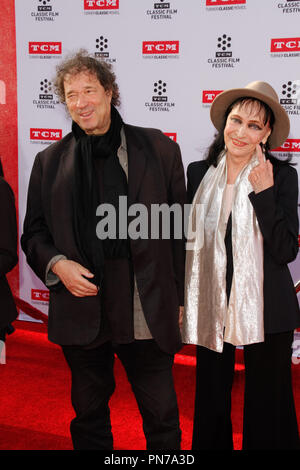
(261, 176)
(71, 275)
(181, 313)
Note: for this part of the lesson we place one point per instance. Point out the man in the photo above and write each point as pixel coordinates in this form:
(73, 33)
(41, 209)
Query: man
(115, 294)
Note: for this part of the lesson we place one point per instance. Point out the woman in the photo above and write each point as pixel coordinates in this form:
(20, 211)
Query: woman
(8, 255)
(239, 292)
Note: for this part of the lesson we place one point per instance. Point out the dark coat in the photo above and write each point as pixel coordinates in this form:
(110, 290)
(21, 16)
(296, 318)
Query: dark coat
(8, 252)
(155, 175)
(276, 209)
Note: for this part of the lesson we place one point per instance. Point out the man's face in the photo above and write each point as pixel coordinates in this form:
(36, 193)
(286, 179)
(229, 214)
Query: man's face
(88, 103)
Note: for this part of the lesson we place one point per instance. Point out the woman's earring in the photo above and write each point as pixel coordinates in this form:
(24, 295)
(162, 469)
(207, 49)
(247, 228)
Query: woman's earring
(263, 147)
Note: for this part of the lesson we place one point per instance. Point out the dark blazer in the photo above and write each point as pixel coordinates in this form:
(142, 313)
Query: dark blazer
(8, 252)
(277, 215)
(155, 175)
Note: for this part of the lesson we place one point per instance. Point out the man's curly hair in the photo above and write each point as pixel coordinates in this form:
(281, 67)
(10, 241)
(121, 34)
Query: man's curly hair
(81, 61)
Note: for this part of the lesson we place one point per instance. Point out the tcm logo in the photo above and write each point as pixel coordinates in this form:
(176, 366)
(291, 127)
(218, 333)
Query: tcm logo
(101, 4)
(171, 135)
(45, 134)
(40, 295)
(44, 7)
(160, 47)
(45, 48)
(285, 45)
(212, 3)
(290, 145)
(209, 95)
(45, 89)
(2, 92)
(160, 89)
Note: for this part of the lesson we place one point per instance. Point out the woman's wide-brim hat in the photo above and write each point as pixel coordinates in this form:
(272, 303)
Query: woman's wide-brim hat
(257, 90)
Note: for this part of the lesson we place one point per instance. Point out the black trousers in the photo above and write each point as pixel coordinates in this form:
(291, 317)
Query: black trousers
(149, 371)
(270, 420)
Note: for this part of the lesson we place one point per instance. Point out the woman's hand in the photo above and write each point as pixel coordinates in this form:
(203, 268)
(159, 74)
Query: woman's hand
(261, 176)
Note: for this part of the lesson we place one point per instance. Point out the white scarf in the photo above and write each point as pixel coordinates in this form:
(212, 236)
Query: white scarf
(208, 319)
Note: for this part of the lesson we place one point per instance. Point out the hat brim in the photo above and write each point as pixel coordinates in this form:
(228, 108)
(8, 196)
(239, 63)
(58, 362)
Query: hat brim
(281, 127)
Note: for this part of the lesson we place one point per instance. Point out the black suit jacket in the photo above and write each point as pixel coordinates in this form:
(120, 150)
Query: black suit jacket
(277, 215)
(8, 252)
(155, 175)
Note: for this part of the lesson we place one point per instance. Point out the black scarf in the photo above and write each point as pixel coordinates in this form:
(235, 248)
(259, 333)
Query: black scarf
(98, 178)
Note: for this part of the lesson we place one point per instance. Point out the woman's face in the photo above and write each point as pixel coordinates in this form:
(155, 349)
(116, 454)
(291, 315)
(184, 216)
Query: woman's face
(245, 129)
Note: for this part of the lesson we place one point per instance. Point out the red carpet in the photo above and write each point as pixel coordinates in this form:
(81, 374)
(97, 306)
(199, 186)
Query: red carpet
(35, 409)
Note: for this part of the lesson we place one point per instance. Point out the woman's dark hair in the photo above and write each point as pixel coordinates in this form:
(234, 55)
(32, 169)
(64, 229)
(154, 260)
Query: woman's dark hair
(218, 145)
(1, 169)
